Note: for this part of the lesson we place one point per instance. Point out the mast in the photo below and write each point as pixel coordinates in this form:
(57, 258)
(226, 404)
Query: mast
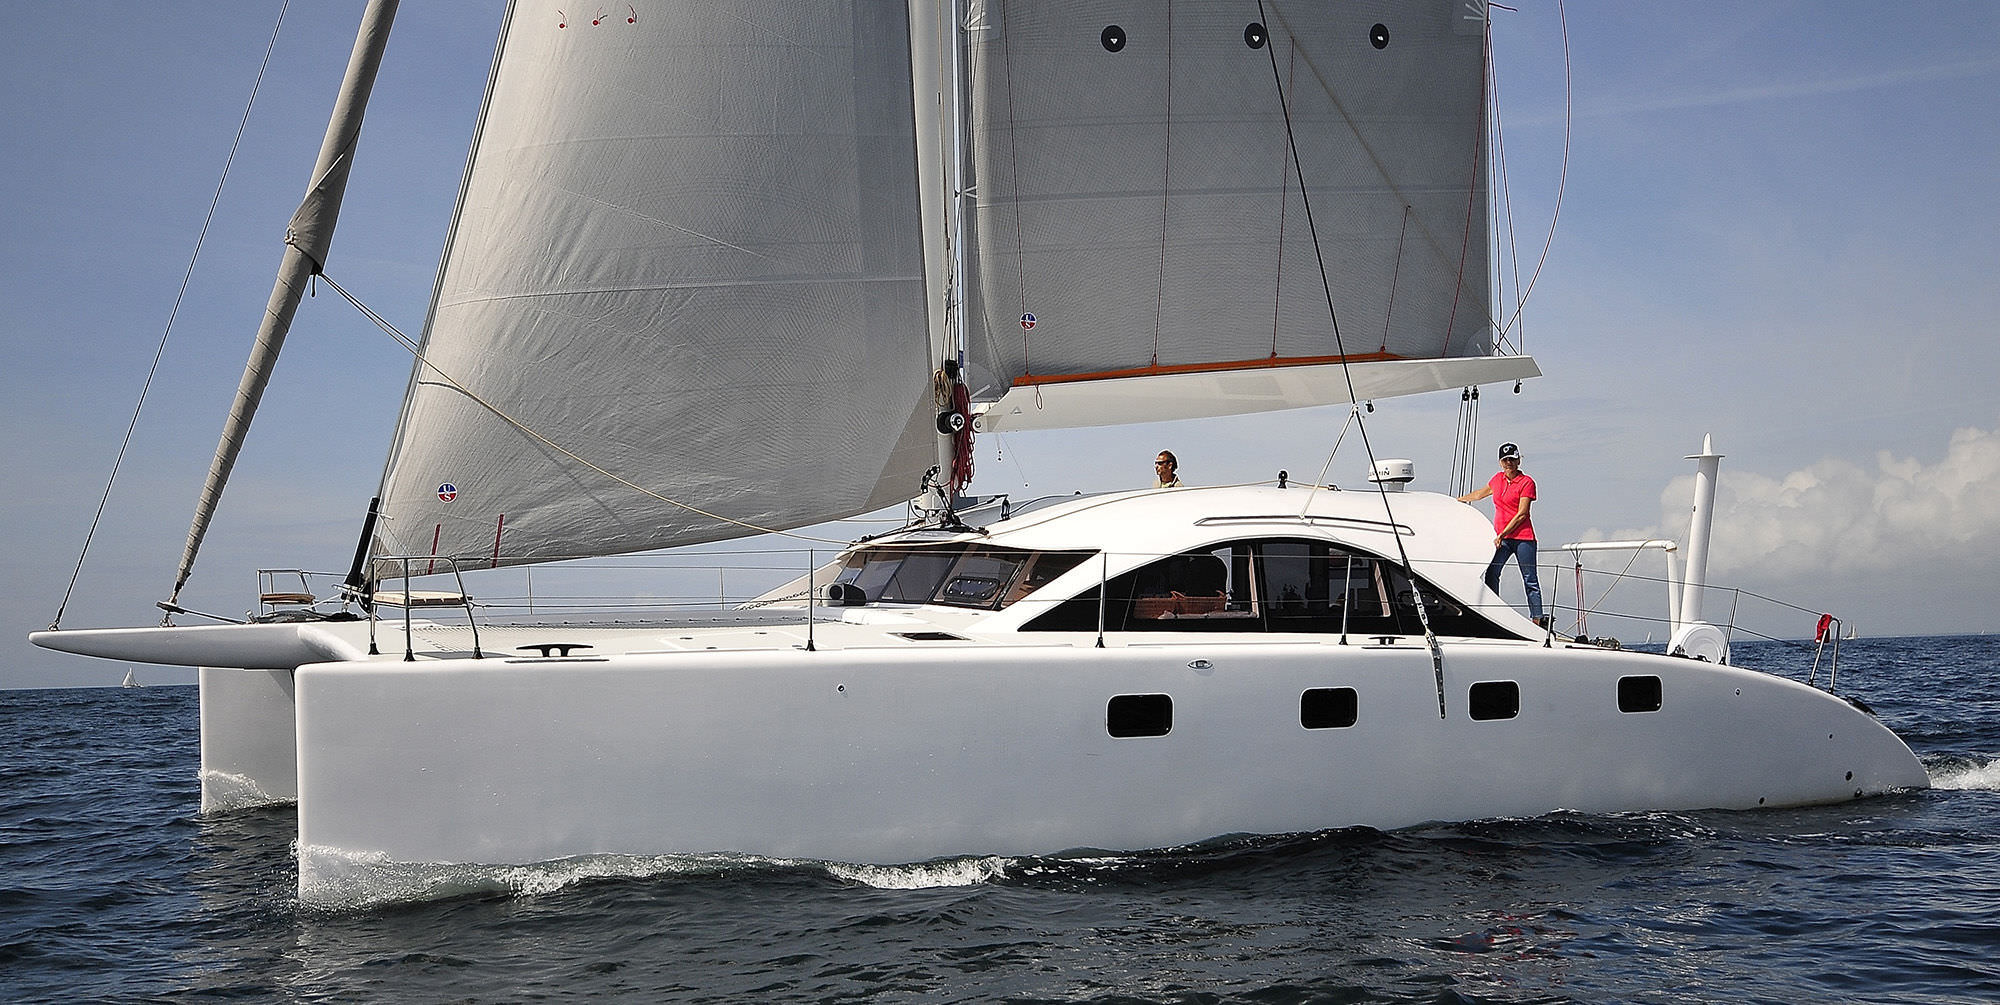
(934, 43)
(307, 239)
(948, 337)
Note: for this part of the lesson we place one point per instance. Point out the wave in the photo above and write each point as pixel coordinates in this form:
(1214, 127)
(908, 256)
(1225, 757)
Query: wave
(340, 880)
(1960, 773)
(923, 875)
(222, 792)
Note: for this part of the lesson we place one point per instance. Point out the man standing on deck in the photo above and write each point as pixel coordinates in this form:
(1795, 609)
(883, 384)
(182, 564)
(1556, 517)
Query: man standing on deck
(1513, 495)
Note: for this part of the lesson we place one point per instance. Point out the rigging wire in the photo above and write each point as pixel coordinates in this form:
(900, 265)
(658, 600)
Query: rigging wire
(1562, 179)
(159, 353)
(1464, 453)
(1430, 238)
(417, 351)
(1333, 315)
(1353, 416)
(1503, 212)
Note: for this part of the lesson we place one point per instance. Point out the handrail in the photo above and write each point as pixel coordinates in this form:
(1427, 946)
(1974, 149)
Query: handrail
(1829, 631)
(1667, 550)
(409, 599)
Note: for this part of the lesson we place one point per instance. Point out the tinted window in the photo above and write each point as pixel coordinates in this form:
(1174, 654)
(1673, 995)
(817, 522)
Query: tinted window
(1271, 585)
(1638, 694)
(1139, 715)
(1328, 708)
(1042, 568)
(958, 575)
(1496, 699)
(980, 578)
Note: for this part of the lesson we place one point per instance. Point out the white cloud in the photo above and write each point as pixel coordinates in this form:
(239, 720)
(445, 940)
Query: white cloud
(1839, 517)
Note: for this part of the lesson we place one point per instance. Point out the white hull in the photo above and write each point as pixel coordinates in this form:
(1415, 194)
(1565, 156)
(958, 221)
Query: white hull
(916, 730)
(942, 750)
(249, 746)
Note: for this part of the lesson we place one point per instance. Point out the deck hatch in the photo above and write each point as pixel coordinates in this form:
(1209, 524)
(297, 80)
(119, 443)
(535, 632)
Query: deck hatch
(1139, 715)
(1495, 699)
(1328, 708)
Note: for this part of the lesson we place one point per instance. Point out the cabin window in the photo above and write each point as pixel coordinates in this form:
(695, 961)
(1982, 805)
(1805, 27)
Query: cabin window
(1267, 585)
(1495, 699)
(979, 578)
(1639, 694)
(1139, 715)
(957, 575)
(1328, 708)
(875, 571)
(1042, 567)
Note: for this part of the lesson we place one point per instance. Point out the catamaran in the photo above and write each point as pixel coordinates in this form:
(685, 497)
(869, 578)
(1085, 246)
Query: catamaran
(730, 268)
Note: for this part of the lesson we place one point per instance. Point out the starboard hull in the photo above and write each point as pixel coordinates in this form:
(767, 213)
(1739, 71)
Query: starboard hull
(893, 756)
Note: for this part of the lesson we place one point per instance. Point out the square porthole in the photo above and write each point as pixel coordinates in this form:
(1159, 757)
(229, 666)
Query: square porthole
(1496, 699)
(1139, 715)
(1328, 708)
(1638, 694)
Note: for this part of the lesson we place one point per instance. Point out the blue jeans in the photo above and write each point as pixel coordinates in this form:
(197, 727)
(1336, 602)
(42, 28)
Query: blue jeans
(1523, 553)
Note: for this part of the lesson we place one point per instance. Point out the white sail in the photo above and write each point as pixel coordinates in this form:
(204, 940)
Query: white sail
(1139, 212)
(684, 296)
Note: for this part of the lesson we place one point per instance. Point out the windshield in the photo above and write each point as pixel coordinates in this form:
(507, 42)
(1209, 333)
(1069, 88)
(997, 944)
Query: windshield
(981, 577)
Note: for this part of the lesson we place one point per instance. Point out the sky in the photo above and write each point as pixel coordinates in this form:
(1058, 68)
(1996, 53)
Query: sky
(1778, 226)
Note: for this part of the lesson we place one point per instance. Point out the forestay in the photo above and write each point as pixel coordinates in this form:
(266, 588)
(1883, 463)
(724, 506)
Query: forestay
(683, 298)
(1138, 214)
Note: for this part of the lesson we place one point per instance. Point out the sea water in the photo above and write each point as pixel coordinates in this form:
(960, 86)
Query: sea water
(113, 888)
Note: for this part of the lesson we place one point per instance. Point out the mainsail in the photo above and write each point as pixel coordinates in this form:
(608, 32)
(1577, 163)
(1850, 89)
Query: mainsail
(1140, 241)
(684, 297)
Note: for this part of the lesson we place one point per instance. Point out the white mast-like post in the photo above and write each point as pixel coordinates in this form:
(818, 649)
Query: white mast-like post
(306, 241)
(1699, 524)
(936, 37)
(929, 27)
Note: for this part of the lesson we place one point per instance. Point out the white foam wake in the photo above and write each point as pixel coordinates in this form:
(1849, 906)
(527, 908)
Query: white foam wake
(1962, 775)
(222, 791)
(923, 875)
(341, 880)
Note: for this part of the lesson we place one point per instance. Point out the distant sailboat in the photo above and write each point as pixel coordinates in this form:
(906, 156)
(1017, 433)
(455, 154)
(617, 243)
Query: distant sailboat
(131, 681)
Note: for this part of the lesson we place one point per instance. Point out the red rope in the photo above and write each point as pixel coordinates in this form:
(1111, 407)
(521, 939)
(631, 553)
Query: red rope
(961, 447)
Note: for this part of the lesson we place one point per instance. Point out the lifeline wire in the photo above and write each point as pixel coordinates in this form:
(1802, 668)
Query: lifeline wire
(186, 276)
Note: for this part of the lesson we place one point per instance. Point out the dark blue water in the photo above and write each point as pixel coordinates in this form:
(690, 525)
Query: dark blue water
(112, 889)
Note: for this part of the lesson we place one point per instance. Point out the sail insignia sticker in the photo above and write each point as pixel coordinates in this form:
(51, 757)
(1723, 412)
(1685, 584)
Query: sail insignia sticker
(1027, 322)
(447, 492)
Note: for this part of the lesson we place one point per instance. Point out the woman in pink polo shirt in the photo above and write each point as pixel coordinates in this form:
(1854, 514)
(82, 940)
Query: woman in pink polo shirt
(1513, 495)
